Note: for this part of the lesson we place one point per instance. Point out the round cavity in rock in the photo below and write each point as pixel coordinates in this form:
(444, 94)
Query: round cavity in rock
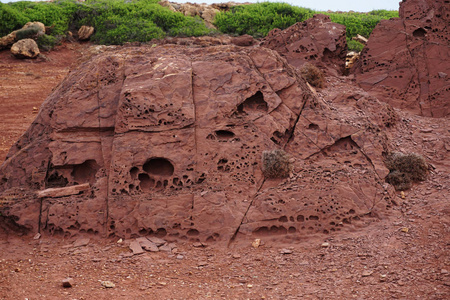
(147, 183)
(133, 172)
(158, 166)
(224, 134)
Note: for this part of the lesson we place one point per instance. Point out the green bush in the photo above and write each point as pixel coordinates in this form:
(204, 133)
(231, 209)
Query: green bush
(10, 19)
(140, 20)
(119, 31)
(354, 45)
(47, 42)
(119, 21)
(55, 14)
(276, 164)
(405, 169)
(360, 23)
(258, 19)
(28, 33)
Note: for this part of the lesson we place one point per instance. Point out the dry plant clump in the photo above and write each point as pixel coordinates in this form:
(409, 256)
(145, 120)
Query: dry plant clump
(313, 75)
(405, 169)
(276, 164)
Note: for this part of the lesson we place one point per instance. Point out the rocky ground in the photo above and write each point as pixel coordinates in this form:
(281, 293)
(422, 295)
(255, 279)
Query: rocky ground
(402, 255)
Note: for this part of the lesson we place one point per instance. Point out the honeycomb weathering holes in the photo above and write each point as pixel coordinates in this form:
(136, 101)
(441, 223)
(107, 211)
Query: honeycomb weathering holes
(158, 166)
(254, 103)
(224, 134)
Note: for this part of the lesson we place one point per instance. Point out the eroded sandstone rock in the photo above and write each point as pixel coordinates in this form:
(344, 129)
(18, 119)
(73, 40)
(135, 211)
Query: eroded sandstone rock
(404, 56)
(8, 40)
(315, 40)
(26, 48)
(170, 140)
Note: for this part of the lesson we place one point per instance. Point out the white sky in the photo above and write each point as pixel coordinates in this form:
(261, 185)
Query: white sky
(322, 5)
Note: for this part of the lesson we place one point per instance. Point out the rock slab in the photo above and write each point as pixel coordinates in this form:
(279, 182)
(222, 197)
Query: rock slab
(405, 58)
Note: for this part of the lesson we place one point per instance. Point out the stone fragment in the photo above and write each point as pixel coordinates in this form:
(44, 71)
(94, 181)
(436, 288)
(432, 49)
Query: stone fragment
(85, 32)
(256, 243)
(64, 191)
(156, 240)
(286, 251)
(136, 248)
(197, 245)
(68, 282)
(366, 273)
(325, 245)
(26, 48)
(147, 245)
(80, 242)
(165, 248)
(107, 284)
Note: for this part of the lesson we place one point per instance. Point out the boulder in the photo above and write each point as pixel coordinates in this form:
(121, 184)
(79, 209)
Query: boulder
(316, 40)
(26, 48)
(85, 32)
(404, 56)
(243, 40)
(170, 141)
(39, 25)
(8, 40)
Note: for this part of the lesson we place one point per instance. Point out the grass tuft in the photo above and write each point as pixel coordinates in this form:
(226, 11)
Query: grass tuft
(405, 169)
(276, 164)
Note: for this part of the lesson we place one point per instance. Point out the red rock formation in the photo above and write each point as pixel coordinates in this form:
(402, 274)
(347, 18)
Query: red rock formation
(169, 139)
(316, 39)
(406, 62)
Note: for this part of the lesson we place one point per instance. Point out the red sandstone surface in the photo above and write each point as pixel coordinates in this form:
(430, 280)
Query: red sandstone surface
(178, 180)
(407, 62)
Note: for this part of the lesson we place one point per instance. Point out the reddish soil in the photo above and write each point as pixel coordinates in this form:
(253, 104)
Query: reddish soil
(24, 85)
(403, 255)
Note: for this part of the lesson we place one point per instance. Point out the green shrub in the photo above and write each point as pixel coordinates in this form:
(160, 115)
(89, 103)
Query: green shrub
(119, 21)
(354, 45)
(313, 75)
(405, 169)
(28, 33)
(47, 42)
(10, 19)
(360, 23)
(258, 19)
(55, 14)
(276, 164)
(119, 31)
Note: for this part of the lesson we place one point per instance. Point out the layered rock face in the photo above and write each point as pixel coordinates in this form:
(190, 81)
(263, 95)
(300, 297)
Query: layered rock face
(168, 140)
(315, 40)
(406, 61)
